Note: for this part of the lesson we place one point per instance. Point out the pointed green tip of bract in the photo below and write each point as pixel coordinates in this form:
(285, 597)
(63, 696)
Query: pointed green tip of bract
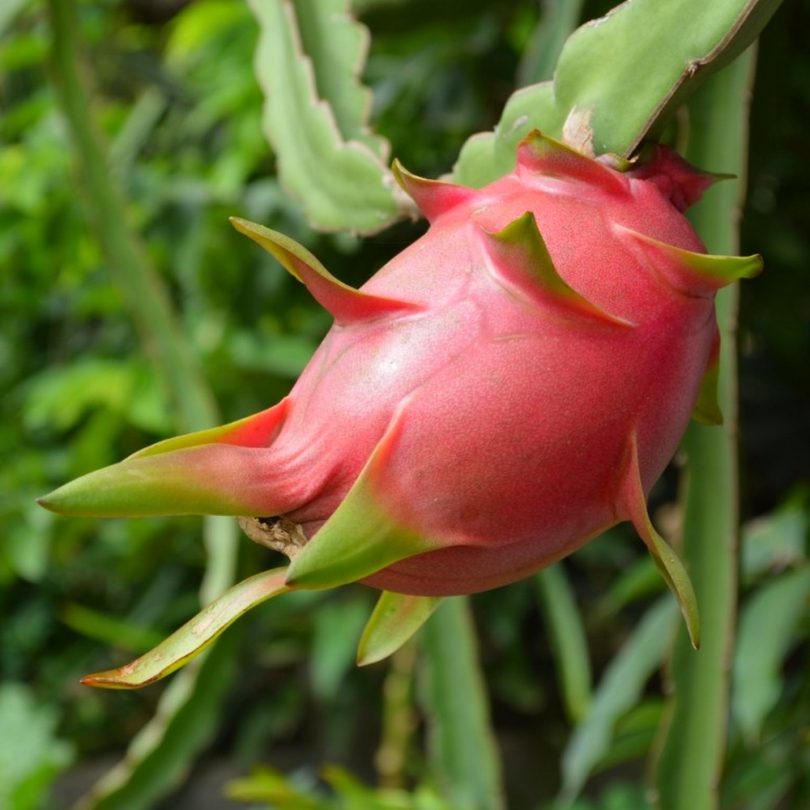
(750, 266)
(357, 541)
(50, 502)
(361, 537)
(346, 304)
(119, 490)
(723, 270)
(395, 619)
(699, 271)
(400, 173)
(432, 197)
(286, 251)
(707, 408)
(204, 473)
(185, 482)
(523, 230)
(83, 497)
(632, 502)
(519, 255)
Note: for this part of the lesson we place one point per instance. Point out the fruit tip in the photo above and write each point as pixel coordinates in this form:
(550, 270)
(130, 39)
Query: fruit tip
(291, 578)
(96, 680)
(240, 224)
(54, 503)
(261, 235)
(362, 660)
(308, 578)
(432, 197)
(756, 264)
(112, 679)
(402, 175)
(311, 572)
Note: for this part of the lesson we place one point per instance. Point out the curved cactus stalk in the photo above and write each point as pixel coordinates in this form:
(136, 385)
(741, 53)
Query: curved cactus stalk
(689, 768)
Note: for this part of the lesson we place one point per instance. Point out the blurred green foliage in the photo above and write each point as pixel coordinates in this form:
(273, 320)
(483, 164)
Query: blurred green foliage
(30, 753)
(181, 108)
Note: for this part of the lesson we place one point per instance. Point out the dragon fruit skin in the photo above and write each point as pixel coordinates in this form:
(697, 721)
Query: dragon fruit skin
(505, 389)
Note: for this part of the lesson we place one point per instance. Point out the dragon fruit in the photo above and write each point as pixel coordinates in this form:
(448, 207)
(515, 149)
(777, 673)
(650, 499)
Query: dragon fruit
(505, 389)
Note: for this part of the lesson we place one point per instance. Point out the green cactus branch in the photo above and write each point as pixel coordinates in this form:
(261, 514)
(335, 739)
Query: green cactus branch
(619, 79)
(161, 753)
(128, 263)
(689, 769)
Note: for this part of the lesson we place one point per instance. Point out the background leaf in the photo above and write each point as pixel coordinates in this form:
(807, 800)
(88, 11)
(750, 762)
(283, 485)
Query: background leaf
(567, 634)
(618, 690)
(30, 752)
(337, 632)
(558, 18)
(775, 541)
(179, 370)
(463, 752)
(9, 11)
(768, 624)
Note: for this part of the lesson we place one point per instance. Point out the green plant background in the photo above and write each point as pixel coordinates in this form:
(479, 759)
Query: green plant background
(178, 102)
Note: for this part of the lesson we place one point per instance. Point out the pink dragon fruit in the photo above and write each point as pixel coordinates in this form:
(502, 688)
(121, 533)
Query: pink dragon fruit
(501, 392)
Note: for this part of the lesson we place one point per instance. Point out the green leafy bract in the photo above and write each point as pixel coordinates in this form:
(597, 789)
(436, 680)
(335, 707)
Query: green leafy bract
(396, 617)
(195, 635)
